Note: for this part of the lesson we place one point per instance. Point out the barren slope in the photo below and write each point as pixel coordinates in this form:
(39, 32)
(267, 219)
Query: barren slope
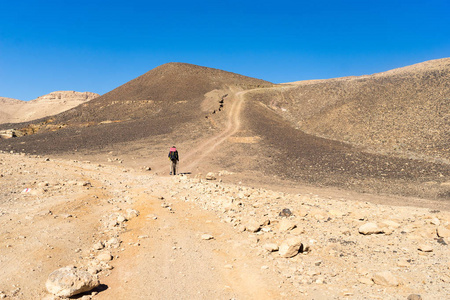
(16, 111)
(404, 111)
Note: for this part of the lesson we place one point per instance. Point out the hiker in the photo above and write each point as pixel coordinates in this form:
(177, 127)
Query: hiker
(173, 157)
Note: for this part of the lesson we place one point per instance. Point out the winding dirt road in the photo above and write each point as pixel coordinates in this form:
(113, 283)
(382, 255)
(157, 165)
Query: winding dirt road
(208, 146)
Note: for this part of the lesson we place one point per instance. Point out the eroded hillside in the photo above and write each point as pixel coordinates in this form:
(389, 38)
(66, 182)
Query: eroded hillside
(404, 111)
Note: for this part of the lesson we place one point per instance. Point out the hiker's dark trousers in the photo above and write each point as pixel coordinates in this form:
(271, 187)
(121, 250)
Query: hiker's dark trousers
(173, 167)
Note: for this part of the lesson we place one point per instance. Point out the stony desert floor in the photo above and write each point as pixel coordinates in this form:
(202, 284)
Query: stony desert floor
(149, 236)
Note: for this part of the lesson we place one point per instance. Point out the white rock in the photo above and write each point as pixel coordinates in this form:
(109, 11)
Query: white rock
(113, 242)
(121, 219)
(290, 247)
(435, 221)
(98, 246)
(443, 232)
(69, 281)
(104, 256)
(210, 176)
(385, 278)
(370, 228)
(253, 226)
(207, 237)
(131, 213)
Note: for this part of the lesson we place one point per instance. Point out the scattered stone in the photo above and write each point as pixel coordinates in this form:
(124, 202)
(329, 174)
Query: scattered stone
(385, 278)
(132, 213)
(121, 219)
(70, 281)
(443, 232)
(425, 248)
(207, 237)
(104, 256)
(253, 226)
(286, 212)
(370, 228)
(290, 247)
(435, 221)
(113, 243)
(414, 297)
(210, 176)
(98, 246)
(271, 247)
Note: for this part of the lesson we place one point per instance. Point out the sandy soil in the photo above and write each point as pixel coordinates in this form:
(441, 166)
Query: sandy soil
(160, 254)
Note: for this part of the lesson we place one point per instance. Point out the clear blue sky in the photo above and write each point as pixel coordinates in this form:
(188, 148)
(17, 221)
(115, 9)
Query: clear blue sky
(93, 45)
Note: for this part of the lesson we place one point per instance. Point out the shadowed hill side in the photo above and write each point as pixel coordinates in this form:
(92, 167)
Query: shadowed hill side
(404, 111)
(290, 154)
(156, 103)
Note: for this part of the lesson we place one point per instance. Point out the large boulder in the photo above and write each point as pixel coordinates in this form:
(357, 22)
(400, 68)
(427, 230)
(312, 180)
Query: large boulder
(70, 281)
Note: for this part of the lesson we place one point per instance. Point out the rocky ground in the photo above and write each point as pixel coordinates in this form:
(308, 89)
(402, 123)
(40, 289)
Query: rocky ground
(146, 236)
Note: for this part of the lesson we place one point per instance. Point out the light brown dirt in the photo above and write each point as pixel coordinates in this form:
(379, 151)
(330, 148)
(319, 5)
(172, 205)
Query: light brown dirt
(166, 258)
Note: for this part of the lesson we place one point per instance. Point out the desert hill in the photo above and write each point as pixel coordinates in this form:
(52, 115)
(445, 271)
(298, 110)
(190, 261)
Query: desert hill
(403, 111)
(169, 98)
(288, 134)
(9, 101)
(170, 89)
(16, 111)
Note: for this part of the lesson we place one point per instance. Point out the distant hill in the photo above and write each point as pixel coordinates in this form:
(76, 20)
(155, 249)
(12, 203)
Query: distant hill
(16, 111)
(403, 111)
(8, 101)
(168, 90)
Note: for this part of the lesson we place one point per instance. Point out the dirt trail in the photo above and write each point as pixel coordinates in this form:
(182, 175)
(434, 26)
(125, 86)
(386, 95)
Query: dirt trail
(173, 262)
(233, 125)
(192, 158)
